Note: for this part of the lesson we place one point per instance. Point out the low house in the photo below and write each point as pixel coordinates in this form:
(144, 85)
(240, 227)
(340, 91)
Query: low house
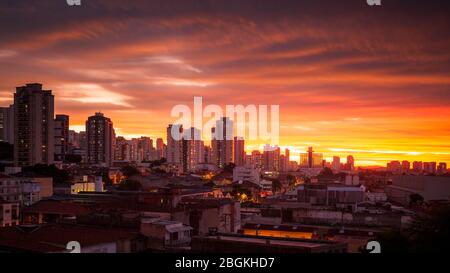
(163, 234)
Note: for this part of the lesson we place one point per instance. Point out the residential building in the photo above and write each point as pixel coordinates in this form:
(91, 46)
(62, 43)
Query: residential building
(7, 124)
(34, 139)
(239, 151)
(100, 140)
(61, 137)
(222, 142)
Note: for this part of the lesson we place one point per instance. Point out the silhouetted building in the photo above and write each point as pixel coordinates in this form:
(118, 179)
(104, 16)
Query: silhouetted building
(33, 125)
(7, 124)
(121, 149)
(239, 151)
(350, 163)
(336, 164)
(429, 167)
(174, 145)
(192, 149)
(160, 148)
(100, 140)
(222, 142)
(61, 137)
(271, 158)
(442, 168)
(417, 166)
(406, 166)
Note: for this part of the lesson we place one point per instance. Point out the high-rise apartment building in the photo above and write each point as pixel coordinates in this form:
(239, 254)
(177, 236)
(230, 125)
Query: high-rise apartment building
(222, 142)
(406, 166)
(174, 148)
(310, 159)
(239, 151)
(61, 137)
(160, 148)
(192, 149)
(7, 124)
(121, 149)
(271, 158)
(429, 167)
(442, 168)
(417, 166)
(257, 159)
(350, 163)
(101, 137)
(336, 164)
(33, 125)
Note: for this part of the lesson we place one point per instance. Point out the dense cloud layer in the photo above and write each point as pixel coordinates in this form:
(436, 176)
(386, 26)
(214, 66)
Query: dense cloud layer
(346, 75)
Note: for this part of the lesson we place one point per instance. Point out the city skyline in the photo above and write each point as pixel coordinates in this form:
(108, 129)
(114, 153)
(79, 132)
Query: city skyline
(379, 93)
(295, 152)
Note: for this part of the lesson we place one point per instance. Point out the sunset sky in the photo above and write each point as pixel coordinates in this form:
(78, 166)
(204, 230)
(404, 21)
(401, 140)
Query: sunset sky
(373, 82)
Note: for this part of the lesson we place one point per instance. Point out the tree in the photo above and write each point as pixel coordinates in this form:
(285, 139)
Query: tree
(292, 179)
(415, 199)
(59, 176)
(130, 171)
(229, 167)
(276, 185)
(158, 171)
(326, 172)
(155, 163)
(129, 185)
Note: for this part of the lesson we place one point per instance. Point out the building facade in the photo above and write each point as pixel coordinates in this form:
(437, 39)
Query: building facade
(100, 140)
(33, 125)
(7, 124)
(61, 137)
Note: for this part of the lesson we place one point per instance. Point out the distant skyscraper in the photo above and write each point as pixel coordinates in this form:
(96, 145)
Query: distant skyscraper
(121, 149)
(61, 137)
(287, 156)
(222, 142)
(429, 167)
(257, 159)
(271, 158)
(145, 149)
(192, 150)
(351, 162)
(83, 140)
(406, 166)
(394, 166)
(442, 168)
(336, 164)
(174, 144)
(239, 151)
(417, 166)
(282, 164)
(7, 124)
(317, 160)
(160, 148)
(207, 153)
(310, 157)
(74, 139)
(100, 140)
(33, 125)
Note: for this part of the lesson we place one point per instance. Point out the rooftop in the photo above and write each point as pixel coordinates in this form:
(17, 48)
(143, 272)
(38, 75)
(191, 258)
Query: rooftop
(54, 237)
